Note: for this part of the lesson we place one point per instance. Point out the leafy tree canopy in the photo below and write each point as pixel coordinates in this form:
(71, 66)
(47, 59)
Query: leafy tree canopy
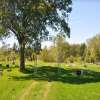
(30, 18)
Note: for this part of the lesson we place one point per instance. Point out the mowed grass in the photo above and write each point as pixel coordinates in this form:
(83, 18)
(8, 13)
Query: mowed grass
(48, 81)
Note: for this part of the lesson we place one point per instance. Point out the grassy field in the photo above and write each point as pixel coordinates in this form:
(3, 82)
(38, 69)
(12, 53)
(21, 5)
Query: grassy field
(47, 81)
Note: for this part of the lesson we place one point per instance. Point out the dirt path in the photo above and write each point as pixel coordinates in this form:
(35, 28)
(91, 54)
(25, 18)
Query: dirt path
(27, 90)
(47, 90)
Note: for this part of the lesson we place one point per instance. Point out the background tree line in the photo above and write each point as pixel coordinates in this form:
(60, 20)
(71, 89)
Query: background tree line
(65, 52)
(61, 51)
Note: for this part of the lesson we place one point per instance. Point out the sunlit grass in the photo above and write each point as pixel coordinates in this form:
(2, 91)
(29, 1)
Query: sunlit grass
(66, 85)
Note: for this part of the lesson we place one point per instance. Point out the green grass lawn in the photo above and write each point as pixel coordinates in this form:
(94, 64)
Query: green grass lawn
(49, 82)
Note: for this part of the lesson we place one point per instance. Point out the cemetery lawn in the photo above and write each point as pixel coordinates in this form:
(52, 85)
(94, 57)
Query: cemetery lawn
(49, 82)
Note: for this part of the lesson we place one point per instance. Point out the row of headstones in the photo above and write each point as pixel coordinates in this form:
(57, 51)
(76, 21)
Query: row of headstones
(80, 71)
(77, 72)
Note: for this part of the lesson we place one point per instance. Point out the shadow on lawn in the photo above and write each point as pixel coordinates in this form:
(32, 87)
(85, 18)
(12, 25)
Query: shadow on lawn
(48, 73)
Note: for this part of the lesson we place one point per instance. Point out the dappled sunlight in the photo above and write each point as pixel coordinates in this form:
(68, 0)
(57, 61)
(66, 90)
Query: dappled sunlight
(48, 73)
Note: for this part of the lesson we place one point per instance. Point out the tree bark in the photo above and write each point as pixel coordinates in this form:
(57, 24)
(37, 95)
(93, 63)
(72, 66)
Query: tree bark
(22, 57)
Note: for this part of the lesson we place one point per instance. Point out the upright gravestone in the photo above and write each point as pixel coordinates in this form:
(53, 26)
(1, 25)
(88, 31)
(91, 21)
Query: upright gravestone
(79, 72)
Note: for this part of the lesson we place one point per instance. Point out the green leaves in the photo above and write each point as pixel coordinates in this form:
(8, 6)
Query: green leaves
(94, 48)
(32, 17)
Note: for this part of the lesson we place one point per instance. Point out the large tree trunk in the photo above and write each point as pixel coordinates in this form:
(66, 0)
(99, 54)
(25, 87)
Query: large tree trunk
(22, 57)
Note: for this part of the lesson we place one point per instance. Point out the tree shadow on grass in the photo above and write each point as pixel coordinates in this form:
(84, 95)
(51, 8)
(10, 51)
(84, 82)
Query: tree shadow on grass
(48, 73)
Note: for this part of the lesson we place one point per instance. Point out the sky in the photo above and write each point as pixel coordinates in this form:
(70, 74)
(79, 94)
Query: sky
(84, 21)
